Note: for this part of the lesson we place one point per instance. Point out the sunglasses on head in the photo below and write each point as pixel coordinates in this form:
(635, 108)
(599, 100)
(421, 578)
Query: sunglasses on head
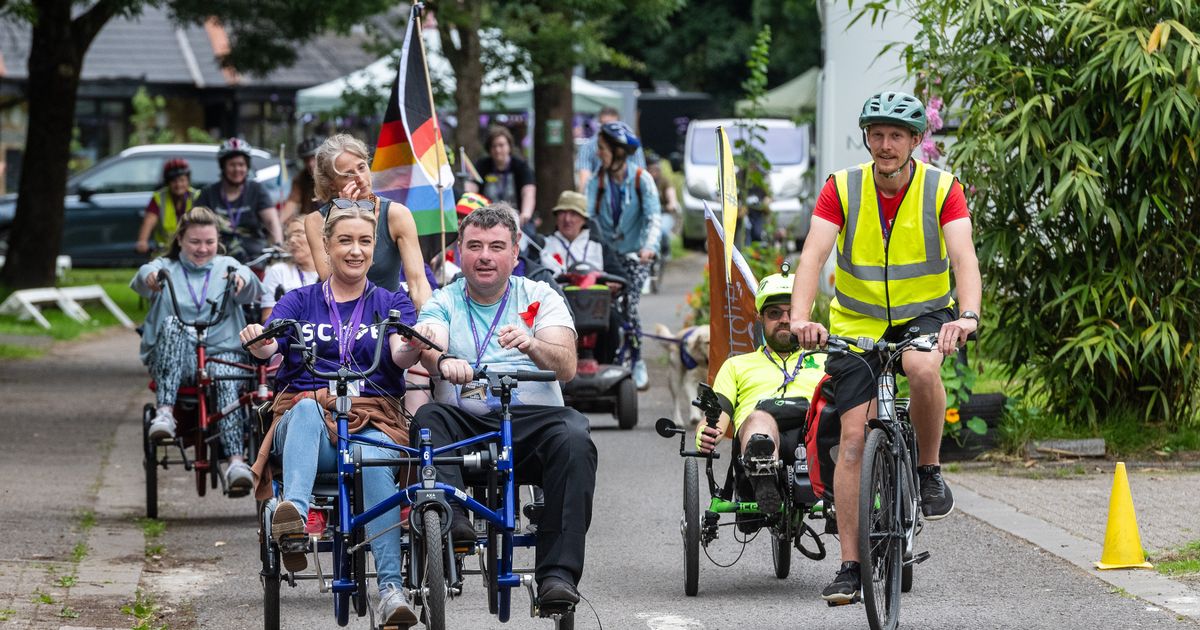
(345, 204)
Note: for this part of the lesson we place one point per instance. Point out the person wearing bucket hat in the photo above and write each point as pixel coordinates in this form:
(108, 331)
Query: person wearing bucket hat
(900, 226)
(572, 242)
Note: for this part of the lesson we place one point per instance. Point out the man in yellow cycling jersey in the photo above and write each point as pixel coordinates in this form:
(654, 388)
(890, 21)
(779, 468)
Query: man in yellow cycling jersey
(765, 392)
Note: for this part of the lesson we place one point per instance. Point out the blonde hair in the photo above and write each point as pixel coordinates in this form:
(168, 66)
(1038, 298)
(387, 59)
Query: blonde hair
(325, 173)
(337, 214)
(197, 216)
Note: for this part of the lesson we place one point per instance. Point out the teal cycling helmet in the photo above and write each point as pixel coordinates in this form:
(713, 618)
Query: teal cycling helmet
(774, 289)
(893, 108)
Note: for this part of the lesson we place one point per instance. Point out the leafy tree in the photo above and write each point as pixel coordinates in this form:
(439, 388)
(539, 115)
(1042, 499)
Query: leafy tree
(704, 47)
(559, 35)
(263, 36)
(1077, 135)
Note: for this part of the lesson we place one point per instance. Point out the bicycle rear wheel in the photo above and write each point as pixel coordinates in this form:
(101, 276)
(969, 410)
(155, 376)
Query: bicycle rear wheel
(880, 534)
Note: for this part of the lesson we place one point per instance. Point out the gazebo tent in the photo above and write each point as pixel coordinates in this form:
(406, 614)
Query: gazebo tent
(789, 100)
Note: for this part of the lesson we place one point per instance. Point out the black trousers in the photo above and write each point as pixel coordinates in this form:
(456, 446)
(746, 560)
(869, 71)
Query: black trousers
(553, 449)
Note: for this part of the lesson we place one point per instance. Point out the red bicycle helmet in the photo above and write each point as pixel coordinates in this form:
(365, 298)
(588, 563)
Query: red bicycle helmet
(175, 167)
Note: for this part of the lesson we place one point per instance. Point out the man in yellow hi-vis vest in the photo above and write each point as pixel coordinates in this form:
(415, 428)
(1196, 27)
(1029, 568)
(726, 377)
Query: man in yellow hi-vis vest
(900, 225)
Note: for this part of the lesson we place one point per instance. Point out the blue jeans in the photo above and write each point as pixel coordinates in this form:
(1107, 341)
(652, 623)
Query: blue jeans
(304, 443)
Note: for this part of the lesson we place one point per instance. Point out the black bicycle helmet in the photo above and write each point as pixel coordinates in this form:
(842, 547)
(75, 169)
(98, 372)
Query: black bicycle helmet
(232, 147)
(620, 133)
(308, 147)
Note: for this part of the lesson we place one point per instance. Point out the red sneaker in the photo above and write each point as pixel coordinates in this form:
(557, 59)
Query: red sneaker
(315, 525)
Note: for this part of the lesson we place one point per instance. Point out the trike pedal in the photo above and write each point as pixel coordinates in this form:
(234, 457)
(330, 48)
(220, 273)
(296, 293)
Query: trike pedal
(294, 543)
(855, 600)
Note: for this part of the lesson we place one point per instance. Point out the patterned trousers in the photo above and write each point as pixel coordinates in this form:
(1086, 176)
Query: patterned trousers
(172, 364)
(637, 272)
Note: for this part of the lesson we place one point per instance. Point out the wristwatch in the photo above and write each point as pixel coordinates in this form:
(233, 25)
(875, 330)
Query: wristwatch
(970, 315)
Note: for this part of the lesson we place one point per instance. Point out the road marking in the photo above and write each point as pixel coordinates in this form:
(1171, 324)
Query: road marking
(668, 621)
(1144, 584)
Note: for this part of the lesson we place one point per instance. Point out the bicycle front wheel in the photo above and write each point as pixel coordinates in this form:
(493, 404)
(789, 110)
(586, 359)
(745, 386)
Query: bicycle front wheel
(880, 533)
(433, 577)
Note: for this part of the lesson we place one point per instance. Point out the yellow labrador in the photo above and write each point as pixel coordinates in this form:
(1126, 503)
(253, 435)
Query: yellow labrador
(689, 367)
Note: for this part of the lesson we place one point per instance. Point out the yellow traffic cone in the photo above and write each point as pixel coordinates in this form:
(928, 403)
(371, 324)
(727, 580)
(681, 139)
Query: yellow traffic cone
(1122, 544)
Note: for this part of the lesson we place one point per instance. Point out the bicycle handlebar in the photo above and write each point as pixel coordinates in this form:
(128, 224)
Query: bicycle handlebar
(164, 277)
(533, 376)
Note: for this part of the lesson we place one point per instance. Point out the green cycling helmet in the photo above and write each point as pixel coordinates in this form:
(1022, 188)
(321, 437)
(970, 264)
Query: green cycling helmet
(893, 108)
(775, 289)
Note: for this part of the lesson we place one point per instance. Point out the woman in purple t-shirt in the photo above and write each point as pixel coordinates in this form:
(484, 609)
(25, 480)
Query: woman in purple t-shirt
(337, 318)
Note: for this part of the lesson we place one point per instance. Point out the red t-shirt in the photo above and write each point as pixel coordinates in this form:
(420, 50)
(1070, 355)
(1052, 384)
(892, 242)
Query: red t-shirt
(829, 207)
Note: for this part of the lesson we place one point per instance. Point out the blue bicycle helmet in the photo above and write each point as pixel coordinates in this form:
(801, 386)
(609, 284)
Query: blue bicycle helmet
(620, 133)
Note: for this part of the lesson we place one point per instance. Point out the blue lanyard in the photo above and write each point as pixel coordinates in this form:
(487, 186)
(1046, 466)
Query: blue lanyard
(346, 335)
(787, 378)
(481, 346)
(198, 301)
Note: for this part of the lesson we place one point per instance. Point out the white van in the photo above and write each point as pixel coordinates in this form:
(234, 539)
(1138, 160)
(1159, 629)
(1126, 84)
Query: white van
(786, 146)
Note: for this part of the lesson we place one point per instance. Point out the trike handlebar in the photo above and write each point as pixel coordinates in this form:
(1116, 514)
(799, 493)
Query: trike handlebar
(164, 278)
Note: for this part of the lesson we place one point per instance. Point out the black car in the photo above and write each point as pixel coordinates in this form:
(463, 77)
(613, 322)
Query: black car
(105, 203)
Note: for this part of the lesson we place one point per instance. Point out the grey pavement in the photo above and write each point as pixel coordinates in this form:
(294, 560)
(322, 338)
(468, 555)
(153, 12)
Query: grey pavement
(71, 421)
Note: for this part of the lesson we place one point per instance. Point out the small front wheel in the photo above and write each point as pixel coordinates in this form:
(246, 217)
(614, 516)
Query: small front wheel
(880, 534)
(433, 578)
(781, 552)
(691, 527)
(150, 463)
(627, 404)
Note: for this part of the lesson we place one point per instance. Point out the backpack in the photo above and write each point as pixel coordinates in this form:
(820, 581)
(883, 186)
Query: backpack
(821, 438)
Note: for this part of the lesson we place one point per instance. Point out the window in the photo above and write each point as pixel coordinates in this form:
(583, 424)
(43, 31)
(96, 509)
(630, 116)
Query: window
(130, 175)
(783, 145)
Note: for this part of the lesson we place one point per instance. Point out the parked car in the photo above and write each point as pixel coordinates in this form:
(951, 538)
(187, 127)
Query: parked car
(785, 144)
(105, 203)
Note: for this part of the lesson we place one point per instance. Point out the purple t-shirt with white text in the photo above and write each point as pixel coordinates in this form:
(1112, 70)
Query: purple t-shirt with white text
(307, 305)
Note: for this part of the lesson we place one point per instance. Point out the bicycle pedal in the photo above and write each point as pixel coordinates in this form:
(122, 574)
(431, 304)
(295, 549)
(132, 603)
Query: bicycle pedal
(919, 558)
(857, 599)
(532, 512)
(554, 610)
(294, 543)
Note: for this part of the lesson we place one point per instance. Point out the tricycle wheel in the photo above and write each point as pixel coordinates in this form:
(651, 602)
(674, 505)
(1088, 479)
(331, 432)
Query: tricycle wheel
(150, 463)
(433, 577)
(627, 404)
(691, 527)
(781, 552)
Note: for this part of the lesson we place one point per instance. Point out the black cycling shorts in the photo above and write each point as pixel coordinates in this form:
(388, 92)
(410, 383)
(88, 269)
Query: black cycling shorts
(853, 383)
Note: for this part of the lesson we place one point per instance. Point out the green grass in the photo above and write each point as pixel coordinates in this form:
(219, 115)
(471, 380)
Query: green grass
(87, 520)
(1182, 561)
(42, 598)
(115, 283)
(9, 351)
(66, 581)
(7, 614)
(152, 527)
(79, 552)
(144, 611)
(68, 613)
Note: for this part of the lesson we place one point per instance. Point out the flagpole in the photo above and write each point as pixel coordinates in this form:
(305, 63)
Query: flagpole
(418, 11)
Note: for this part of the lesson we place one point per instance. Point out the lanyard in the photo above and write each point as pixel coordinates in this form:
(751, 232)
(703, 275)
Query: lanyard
(883, 222)
(234, 219)
(571, 259)
(481, 346)
(787, 378)
(300, 274)
(198, 301)
(346, 335)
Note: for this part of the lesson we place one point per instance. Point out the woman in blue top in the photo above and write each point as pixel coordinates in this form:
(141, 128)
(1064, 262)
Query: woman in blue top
(627, 215)
(199, 276)
(338, 317)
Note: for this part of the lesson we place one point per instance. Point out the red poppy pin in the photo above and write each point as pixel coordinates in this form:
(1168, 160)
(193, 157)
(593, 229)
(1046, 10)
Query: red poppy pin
(530, 313)
(558, 258)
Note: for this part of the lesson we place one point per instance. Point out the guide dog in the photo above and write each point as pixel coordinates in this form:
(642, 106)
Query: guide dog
(688, 356)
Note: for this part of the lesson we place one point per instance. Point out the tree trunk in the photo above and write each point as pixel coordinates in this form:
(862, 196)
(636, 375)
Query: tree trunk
(465, 17)
(55, 61)
(553, 142)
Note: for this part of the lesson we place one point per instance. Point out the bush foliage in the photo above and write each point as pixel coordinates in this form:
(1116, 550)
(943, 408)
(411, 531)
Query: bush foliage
(1078, 126)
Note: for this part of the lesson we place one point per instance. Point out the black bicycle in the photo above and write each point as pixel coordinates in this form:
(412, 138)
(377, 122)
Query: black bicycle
(889, 503)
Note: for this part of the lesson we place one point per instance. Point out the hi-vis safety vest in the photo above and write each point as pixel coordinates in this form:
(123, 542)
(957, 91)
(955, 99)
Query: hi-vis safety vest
(881, 283)
(168, 214)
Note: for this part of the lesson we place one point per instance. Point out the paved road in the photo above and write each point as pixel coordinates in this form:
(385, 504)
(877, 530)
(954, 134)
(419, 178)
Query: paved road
(978, 577)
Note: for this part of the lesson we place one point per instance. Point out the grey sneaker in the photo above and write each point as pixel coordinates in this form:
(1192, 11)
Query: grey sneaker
(239, 480)
(394, 608)
(162, 427)
(936, 499)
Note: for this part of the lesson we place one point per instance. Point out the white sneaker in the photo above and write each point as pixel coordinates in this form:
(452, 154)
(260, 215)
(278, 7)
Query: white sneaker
(239, 479)
(394, 608)
(162, 427)
(641, 377)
